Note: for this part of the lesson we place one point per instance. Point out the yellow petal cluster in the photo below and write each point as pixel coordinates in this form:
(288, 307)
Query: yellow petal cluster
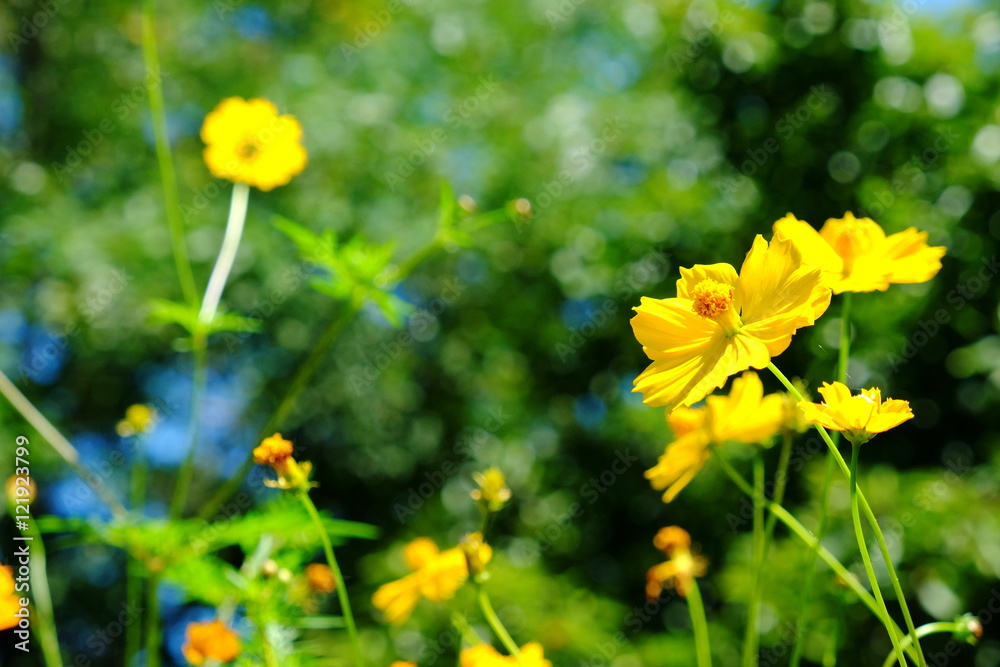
(320, 578)
(492, 492)
(721, 323)
(856, 255)
(247, 141)
(682, 567)
(211, 640)
(746, 415)
(484, 655)
(9, 602)
(859, 417)
(437, 575)
(276, 452)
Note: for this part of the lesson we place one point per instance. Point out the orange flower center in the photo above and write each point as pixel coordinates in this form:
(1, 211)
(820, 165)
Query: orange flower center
(273, 451)
(714, 300)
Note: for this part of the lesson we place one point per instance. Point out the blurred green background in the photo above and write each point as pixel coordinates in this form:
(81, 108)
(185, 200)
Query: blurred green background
(647, 135)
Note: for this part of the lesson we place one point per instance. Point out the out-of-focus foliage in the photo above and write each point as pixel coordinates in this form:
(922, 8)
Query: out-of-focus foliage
(647, 135)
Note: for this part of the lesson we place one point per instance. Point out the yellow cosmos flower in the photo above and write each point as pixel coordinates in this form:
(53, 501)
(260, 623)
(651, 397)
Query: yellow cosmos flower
(859, 417)
(210, 641)
(680, 571)
(722, 323)
(484, 655)
(745, 415)
(403, 663)
(9, 602)
(437, 576)
(492, 492)
(857, 256)
(246, 141)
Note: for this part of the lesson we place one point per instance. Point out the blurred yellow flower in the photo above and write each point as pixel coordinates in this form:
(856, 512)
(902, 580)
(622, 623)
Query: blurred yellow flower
(859, 417)
(139, 418)
(320, 578)
(745, 415)
(484, 655)
(492, 491)
(678, 572)
(856, 255)
(211, 640)
(15, 490)
(9, 602)
(722, 323)
(248, 142)
(276, 452)
(403, 663)
(437, 576)
(477, 552)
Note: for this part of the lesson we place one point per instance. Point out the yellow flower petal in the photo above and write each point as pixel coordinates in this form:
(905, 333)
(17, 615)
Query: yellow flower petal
(420, 553)
(814, 248)
(910, 259)
(893, 413)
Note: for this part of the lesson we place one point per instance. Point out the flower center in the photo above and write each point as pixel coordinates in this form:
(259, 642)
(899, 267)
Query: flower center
(248, 149)
(714, 300)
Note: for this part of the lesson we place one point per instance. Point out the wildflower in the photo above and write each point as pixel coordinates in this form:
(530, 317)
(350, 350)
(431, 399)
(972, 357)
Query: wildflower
(680, 571)
(211, 640)
(720, 323)
(403, 663)
(248, 142)
(276, 452)
(320, 578)
(477, 553)
(437, 575)
(139, 418)
(492, 492)
(9, 602)
(484, 655)
(745, 415)
(859, 417)
(856, 255)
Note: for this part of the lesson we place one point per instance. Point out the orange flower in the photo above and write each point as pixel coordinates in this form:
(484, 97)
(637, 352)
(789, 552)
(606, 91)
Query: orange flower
(276, 452)
(9, 602)
(211, 640)
(680, 571)
(320, 578)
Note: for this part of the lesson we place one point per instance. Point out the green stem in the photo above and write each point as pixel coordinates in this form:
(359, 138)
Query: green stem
(44, 621)
(872, 579)
(292, 391)
(699, 625)
(809, 563)
(331, 560)
(165, 159)
(923, 631)
(199, 379)
(59, 443)
(494, 621)
(134, 571)
(843, 358)
(154, 636)
(750, 645)
(869, 515)
(809, 540)
(469, 635)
